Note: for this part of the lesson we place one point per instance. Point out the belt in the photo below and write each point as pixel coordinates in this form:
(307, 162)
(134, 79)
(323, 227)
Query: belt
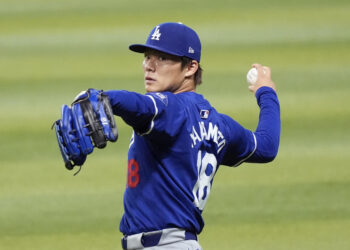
(155, 238)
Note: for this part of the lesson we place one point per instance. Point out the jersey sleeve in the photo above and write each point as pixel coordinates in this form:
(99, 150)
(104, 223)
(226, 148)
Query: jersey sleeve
(262, 145)
(241, 143)
(151, 113)
(135, 109)
(268, 130)
(170, 115)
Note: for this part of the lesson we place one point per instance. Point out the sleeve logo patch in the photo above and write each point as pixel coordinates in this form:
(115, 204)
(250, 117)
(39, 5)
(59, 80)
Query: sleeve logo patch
(161, 97)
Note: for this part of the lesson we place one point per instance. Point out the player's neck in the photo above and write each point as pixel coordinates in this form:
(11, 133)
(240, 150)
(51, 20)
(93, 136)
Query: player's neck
(187, 86)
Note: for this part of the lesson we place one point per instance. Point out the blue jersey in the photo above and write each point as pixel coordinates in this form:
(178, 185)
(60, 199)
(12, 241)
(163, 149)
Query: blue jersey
(178, 144)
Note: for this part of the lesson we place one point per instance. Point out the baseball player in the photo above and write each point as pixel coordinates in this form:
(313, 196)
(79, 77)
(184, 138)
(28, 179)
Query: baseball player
(179, 140)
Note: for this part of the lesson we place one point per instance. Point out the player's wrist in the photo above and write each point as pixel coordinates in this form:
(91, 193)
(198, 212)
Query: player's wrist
(264, 90)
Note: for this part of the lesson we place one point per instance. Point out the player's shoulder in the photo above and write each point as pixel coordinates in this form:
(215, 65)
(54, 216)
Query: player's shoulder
(198, 106)
(162, 97)
(183, 99)
(192, 98)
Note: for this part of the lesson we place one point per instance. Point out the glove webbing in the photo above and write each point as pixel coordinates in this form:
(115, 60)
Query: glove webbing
(93, 124)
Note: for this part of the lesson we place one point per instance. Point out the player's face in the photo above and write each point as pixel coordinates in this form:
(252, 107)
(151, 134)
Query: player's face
(163, 72)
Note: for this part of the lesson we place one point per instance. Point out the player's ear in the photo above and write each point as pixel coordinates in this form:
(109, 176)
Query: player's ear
(191, 68)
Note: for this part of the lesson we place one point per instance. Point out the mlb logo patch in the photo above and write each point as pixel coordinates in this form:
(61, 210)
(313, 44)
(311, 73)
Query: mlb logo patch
(204, 113)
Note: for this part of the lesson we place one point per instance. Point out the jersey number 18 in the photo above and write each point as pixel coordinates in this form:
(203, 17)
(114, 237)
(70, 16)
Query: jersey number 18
(206, 167)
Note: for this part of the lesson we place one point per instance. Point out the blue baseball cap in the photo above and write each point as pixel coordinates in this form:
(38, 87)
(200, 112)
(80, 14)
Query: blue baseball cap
(172, 38)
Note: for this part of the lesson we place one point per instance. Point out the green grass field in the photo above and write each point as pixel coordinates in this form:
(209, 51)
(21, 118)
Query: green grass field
(51, 50)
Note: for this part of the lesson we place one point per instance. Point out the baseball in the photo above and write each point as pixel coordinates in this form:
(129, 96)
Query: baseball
(252, 76)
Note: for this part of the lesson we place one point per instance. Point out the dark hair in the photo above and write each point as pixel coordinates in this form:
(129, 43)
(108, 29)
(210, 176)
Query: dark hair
(198, 75)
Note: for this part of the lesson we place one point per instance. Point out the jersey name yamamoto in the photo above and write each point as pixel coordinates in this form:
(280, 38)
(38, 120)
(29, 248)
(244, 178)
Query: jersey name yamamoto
(179, 142)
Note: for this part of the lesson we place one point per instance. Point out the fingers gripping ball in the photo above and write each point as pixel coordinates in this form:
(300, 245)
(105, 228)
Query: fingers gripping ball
(252, 76)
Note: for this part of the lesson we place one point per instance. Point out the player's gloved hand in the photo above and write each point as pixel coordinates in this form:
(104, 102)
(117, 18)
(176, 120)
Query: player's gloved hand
(264, 78)
(74, 143)
(87, 124)
(93, 105)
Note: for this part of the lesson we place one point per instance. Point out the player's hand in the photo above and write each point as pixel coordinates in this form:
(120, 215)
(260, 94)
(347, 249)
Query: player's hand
(264, 78)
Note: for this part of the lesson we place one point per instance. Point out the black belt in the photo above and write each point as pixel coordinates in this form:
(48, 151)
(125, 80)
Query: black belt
(152, 239)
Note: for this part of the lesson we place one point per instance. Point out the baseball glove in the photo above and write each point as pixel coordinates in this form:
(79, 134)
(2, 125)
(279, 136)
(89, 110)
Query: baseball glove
(87, 124)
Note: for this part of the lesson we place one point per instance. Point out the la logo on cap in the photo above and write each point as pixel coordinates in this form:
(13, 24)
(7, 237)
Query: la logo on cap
(156, 34)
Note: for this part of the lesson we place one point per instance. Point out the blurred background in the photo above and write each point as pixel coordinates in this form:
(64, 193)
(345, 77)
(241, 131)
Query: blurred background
(51, 50)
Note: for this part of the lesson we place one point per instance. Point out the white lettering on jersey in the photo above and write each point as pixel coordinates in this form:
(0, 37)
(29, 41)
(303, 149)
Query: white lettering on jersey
(206, 168)
(203, 131)
(195, 137)
(211, 133)
(156, 34)
(221, 142)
